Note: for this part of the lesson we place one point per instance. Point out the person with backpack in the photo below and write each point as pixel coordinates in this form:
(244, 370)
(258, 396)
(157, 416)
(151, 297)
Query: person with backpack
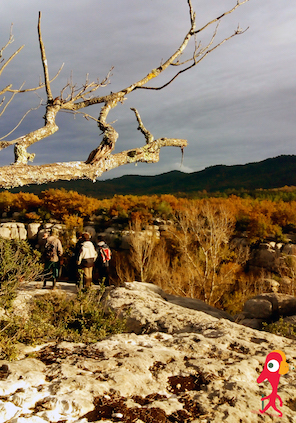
(102, 262)
(52, 253)
(86, 259)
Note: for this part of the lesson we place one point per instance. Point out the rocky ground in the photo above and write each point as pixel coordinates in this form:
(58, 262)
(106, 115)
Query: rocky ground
(179, 364)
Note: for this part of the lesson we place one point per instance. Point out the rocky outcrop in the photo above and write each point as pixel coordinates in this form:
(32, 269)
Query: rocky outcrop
(13, 230)
(268, 308)
(182, 365)
(33, 229)
(267, 256)
(149, 309)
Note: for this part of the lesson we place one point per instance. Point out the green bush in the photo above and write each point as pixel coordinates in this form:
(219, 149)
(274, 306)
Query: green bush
(58, 317)
(18, 263)
(281, 328)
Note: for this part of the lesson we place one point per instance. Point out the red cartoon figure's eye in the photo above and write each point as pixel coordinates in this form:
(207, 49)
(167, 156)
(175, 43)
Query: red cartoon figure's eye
(273, 366)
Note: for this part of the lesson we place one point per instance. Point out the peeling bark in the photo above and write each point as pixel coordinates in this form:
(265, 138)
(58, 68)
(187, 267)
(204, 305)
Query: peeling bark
(22, 174)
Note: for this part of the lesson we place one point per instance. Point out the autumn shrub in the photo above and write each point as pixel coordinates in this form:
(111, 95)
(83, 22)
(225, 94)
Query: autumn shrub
(21, 202)
(247, 285)
(60, 202)
(164, 209)
(285, 215)
(58, 317)
(142, 243)
(281, 328)
(201, 238)
(32, 217)
(124, 270)
(25, 201)
(6, 199)
(195, 258)
(18, 263)
(287, 271)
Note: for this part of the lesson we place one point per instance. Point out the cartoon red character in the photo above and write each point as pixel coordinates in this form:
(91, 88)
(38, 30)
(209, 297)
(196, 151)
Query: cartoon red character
(275, 366)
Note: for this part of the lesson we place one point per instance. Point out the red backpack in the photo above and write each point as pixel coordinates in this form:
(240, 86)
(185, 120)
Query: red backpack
(105, 254)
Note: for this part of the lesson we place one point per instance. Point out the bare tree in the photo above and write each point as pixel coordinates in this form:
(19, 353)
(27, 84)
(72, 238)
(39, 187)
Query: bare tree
(142, 243)
(203, 237)
(75, 100)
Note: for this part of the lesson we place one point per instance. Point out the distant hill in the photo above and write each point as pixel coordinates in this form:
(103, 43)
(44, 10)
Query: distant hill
(270, 173)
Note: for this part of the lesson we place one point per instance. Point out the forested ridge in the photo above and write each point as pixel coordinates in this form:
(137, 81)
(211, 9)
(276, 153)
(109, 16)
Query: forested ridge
(267, 174)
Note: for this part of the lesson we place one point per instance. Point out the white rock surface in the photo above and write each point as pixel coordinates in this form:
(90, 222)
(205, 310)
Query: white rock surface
(33, 230)
(188, 365)
(13, 230)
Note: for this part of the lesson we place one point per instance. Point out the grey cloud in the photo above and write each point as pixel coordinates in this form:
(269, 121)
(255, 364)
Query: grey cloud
(236, 106)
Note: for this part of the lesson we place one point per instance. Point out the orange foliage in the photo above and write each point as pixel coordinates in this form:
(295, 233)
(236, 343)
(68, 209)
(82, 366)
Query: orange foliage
(26, 201)
(61, 202)
(257, 218)
(73, 221)
(19, 202)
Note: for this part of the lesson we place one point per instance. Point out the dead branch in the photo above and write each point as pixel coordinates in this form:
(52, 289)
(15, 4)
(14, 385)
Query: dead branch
(22, 174)
(148, 136)
(40, 86)
(44, 61)
(18, 124)
(73, 100)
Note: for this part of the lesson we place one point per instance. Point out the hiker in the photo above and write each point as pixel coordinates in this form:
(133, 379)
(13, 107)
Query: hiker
(42, 243)
(53, 251)
(73, 267)
(102, 262)
(86, 259)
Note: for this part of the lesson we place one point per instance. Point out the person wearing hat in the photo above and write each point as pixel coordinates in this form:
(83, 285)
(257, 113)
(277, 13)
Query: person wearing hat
(53, 251)
(86, 259)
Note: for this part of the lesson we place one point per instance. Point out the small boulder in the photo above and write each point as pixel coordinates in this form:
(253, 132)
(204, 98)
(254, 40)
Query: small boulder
(22, 233)
(282, 304)
(252, 323)
(258, 308)
(4, 232)
(33, 230)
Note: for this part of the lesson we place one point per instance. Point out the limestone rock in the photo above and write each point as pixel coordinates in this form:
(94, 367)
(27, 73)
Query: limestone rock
(266, 256)
(282, 304)
(13, 230)
(198, 368)
(291, 320)
(258, 308)
(289, 249)
(252, 323)
(7, 410)
(4, 232)
(33, 230)
(150, 309)
(272, 284)
(14, 233)
(22, 233)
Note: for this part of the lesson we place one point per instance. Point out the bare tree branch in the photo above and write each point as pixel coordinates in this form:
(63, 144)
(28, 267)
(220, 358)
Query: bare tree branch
(44, 61)
(73, 99)
(239, 3)
(10, 59)
(20, 175)
(18, 124)
(148, 136)
(41, 85)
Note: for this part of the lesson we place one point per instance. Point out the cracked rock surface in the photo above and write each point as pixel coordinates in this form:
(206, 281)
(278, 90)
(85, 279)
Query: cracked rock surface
(181, 365)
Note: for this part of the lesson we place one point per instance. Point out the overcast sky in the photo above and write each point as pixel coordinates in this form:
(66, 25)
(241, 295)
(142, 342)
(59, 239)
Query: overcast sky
(237, 106)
